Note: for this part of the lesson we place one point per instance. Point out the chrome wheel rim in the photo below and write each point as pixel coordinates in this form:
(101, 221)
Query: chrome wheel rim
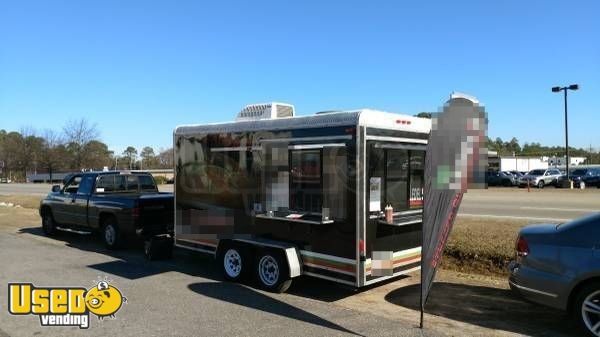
(268, 270)
(232, 261)
(109, 234)
(590, 311)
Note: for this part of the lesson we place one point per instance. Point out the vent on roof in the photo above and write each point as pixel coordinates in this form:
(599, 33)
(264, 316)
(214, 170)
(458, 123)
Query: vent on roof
(265, 111)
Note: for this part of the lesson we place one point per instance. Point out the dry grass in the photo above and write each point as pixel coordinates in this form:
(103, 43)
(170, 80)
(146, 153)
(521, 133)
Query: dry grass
(482, 245)
(476, 245)
(25, 201)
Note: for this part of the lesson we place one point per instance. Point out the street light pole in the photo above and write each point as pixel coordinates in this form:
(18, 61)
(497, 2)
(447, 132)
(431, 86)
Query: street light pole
(566, 136)
(565, 89)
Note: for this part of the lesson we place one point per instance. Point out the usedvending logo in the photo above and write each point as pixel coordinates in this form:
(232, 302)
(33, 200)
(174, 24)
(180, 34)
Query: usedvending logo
(65, 306)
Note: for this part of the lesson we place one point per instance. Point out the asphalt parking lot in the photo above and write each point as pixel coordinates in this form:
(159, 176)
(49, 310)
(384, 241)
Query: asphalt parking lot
(186, 296)
(181, 297)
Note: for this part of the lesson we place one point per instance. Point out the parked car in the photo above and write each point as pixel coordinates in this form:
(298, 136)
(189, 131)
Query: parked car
(499, 179)
(517, 174)
(514, 177)
(5, 181)
(559, 266)
(119, 205)
(587, 177)
(540, 178)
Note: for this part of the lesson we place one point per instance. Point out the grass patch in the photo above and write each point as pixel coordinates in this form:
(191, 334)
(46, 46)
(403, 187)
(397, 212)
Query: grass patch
(482, 245)
(25, 201)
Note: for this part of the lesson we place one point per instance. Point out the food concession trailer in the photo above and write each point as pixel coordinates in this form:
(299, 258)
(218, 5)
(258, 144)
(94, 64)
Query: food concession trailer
(336, 195)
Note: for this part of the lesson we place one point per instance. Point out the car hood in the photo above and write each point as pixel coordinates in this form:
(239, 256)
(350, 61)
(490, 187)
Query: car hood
(539, 229)
(527, 176)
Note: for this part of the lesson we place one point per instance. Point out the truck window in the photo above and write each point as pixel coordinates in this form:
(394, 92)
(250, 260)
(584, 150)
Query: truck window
(146, 183)
(106, 183)
(120, 183)
(132, 184)
(85, 187)
(73, 185)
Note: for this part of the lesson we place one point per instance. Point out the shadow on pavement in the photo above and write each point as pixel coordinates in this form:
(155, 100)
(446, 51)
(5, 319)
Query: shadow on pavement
(488, 307)
(249, 298)
(131, 264)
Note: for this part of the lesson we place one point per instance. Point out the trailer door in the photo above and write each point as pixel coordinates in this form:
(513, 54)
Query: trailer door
(395, 177)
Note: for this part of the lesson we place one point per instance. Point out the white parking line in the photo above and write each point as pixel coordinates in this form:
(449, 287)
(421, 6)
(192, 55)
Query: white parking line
(513, 217)
(562, 209)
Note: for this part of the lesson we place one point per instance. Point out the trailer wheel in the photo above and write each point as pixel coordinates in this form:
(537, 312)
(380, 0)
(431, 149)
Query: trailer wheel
(272, 271)
(234, 260)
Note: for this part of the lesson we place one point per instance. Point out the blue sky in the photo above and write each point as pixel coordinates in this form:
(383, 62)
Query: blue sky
(139, 68)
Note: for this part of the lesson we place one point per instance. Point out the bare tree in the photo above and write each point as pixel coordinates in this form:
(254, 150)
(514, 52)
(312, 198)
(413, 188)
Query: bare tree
(53, 152)
(165, 158)
(78, 133)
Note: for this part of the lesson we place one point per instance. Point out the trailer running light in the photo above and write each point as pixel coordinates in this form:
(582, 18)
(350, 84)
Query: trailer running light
(522, 246)
(361, 247)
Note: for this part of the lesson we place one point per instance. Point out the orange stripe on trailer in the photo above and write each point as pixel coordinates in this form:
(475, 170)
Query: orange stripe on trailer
(328, 265)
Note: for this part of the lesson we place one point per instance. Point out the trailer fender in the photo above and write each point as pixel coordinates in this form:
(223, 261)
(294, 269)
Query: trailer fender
(293, 260)
(290, 252)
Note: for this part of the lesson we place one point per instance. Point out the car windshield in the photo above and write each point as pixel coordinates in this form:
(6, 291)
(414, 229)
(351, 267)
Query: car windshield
(536, 172)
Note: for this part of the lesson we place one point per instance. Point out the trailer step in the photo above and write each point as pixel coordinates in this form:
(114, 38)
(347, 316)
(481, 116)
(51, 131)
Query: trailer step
(64, 229)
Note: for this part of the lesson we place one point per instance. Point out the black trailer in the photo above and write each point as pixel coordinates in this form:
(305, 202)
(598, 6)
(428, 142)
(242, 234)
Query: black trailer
(274, 195)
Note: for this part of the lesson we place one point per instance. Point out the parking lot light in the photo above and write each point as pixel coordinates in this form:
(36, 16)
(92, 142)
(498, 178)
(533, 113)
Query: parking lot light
(565, 89)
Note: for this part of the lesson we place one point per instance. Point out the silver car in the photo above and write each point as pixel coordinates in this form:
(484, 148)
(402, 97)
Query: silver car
(559, 266)
(540, 177)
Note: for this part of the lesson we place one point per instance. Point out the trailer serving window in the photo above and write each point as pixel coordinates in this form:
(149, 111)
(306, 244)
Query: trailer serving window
(395, 176)
(306, 182)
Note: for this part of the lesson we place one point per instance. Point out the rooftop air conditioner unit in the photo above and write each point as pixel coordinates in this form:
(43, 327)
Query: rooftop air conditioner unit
(265, 111)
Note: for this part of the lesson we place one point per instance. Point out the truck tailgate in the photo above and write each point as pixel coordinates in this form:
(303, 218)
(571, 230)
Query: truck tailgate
(156, 213)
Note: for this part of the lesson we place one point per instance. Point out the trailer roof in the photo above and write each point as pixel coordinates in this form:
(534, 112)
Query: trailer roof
(362, 117)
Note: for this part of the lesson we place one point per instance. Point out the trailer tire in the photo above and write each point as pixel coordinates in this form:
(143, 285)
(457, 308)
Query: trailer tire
(234, 261)
(272, 272)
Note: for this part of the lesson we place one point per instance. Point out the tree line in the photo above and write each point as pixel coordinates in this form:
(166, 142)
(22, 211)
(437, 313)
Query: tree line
(512, 147)
(76, 147)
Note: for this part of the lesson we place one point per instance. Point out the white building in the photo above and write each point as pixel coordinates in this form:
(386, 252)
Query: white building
(510, 163)
(560, 161)
(522, 163)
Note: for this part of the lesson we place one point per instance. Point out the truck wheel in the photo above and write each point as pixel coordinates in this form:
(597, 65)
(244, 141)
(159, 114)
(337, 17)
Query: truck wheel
(235, 261)
(587, 308)
(111, 234)
(272, 271)
(48, 224)
(540, 184)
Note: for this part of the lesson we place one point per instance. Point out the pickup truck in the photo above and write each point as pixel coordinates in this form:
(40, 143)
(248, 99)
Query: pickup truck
(119, 205)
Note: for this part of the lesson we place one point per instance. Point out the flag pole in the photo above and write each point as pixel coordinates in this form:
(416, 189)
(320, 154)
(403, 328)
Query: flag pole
(421, 306)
